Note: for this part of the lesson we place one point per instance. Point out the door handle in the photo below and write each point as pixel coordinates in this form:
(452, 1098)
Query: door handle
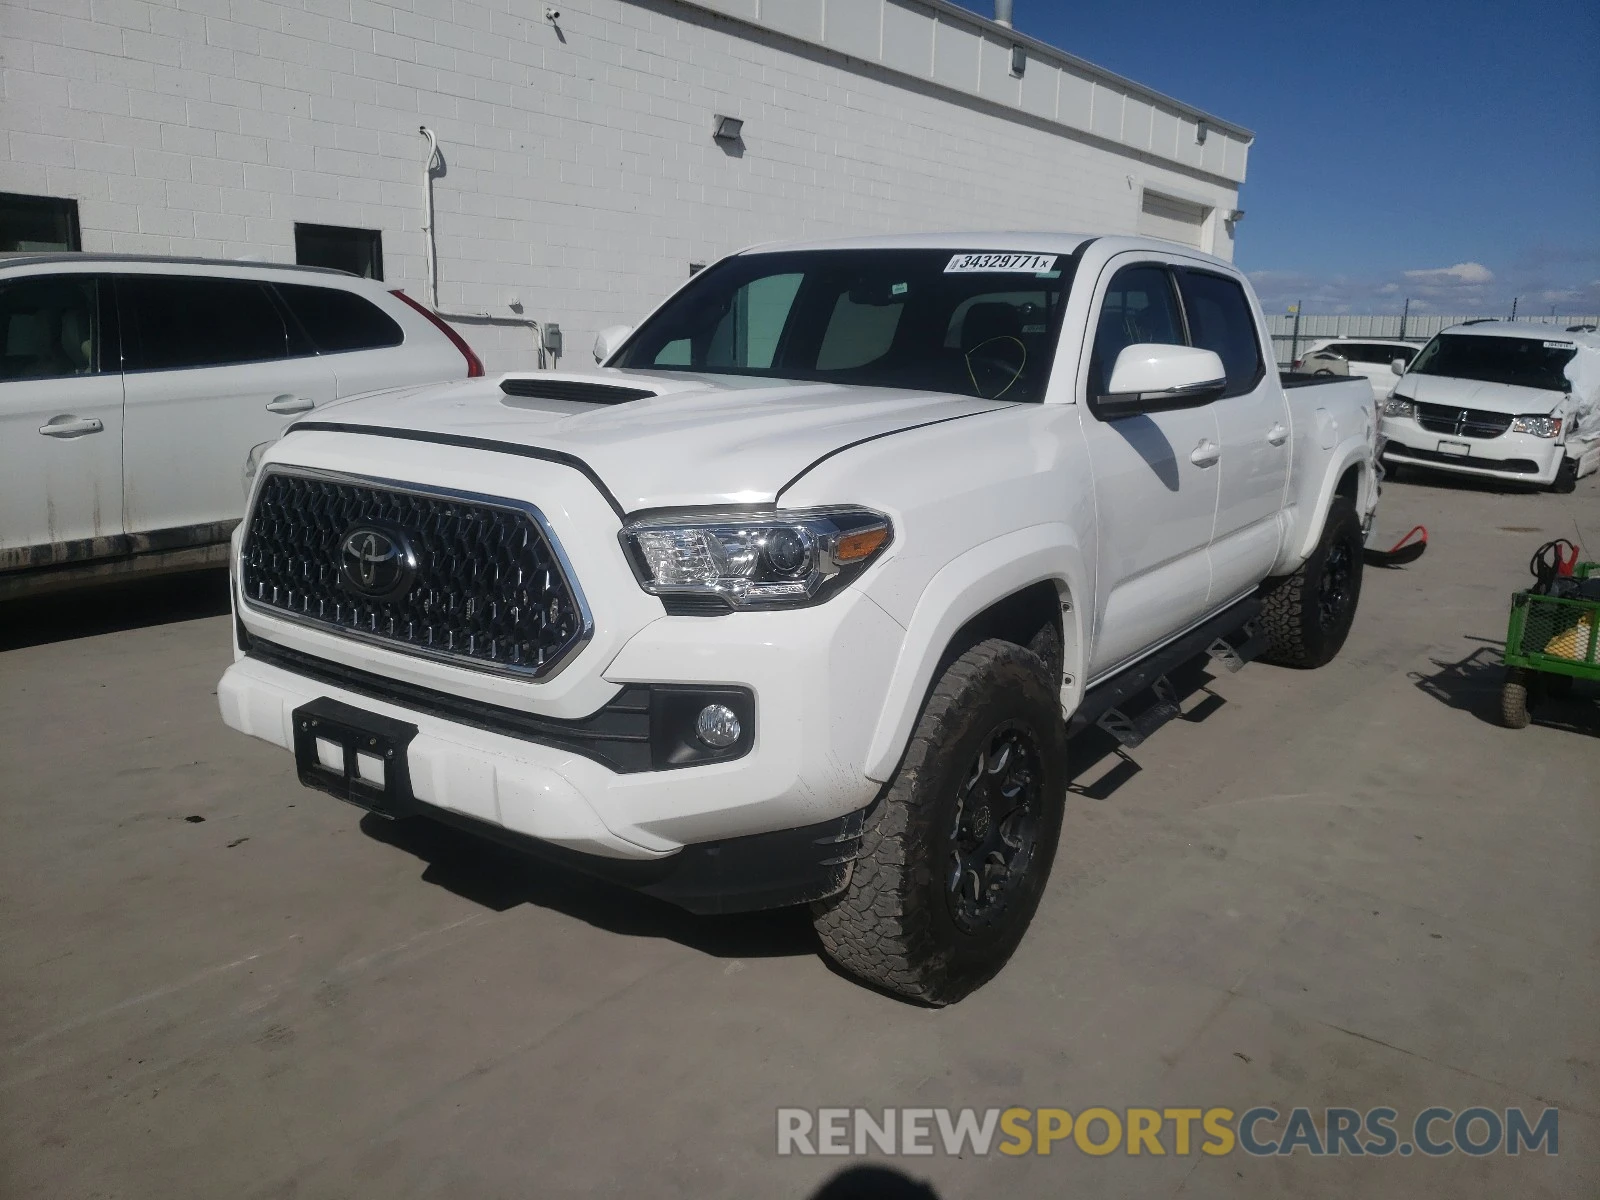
(1205, 454)
(1278, 434)
(290, 404)
(69, 426)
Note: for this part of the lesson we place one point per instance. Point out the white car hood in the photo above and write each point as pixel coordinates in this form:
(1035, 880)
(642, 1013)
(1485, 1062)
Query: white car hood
(1471, 393)
(700, 440)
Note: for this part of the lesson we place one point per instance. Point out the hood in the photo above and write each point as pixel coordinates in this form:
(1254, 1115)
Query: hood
(1473, 393)
(698, 440)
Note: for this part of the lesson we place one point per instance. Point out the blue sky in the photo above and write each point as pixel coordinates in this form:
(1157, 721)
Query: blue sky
(1449, 152)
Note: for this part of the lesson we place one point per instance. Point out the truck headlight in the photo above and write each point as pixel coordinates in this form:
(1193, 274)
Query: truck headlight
(1399, 406)
(1538, 426)
(711, 562)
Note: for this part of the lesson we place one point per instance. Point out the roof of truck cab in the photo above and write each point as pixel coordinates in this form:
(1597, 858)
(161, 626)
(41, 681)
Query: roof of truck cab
(998, 242)
(1026, 243)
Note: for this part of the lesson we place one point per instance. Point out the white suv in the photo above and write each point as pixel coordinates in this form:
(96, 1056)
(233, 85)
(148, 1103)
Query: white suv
(1371, 358)
(131, 389)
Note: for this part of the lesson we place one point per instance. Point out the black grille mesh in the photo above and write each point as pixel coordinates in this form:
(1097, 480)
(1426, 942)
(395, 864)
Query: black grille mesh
(1469, 422)
(488, 587)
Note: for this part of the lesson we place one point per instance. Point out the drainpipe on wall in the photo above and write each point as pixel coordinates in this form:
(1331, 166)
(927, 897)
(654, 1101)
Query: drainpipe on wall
(486, 318)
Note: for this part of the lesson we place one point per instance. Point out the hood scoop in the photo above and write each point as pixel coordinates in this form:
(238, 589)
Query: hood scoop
(575, 391)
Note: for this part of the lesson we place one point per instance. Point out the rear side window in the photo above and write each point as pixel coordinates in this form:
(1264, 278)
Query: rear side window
(49, 327)
(1139, 309)
(748, 334)
(174, 321)
(337, 321)
(1220, 320)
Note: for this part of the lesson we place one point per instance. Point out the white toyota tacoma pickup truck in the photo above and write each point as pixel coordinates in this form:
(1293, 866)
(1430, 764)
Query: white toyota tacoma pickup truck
(799, 598)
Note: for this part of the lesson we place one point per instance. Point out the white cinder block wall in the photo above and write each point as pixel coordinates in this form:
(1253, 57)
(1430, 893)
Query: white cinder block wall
(581, 178)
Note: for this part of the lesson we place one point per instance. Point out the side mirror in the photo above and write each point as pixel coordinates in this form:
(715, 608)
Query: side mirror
(1398, 366)
(1154, 378)
(609, 340)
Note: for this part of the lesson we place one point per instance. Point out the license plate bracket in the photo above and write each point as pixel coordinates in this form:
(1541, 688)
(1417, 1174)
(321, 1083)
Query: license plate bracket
(1460, 449)
(369, 750)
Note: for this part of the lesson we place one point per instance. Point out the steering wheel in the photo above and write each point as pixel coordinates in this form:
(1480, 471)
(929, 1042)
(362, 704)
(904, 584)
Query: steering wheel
(996, 364)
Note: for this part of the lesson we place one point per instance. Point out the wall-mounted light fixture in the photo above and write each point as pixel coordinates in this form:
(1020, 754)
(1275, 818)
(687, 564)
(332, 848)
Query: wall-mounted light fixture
(1235, 215)
(1200, 131)
(1019, 61)
(727, 129)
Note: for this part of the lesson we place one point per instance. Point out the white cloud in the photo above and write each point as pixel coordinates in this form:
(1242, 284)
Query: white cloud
(1467, 288)
(1466, 274)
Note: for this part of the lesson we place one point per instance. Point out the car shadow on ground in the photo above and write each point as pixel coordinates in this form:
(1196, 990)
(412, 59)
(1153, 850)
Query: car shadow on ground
(499, 879)
(1472, 685)
(112, 608)
(1449, 481)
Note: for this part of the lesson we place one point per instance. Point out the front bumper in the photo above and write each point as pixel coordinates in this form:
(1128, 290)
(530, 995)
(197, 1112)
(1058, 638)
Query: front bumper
(513, 757)
(1518, 457)
(817, 678)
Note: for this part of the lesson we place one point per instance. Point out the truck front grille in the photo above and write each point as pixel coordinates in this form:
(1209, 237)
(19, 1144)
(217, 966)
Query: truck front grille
(469, 579)
(1462, 422)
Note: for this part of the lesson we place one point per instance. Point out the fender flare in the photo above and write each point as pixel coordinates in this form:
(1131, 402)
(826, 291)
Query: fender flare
(1355, 451)
(962, 589)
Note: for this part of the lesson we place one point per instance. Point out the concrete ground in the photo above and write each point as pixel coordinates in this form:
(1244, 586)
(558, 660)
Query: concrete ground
(1347, 887)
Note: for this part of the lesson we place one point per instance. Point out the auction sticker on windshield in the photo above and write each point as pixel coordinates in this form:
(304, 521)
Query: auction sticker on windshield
(1033, 264)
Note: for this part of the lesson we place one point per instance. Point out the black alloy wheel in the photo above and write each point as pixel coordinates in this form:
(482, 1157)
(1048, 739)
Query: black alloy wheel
(994, 832)
(1335, 593)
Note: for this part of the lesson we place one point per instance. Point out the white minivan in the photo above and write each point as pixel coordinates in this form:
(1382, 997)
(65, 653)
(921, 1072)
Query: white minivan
(1516, 401)
(132, 389)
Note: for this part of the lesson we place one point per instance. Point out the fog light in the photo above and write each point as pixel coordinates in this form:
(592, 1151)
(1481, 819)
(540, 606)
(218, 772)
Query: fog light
(717, 726)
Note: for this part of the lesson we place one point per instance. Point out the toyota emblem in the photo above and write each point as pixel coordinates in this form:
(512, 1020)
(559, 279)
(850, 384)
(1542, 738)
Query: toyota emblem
(377, 563)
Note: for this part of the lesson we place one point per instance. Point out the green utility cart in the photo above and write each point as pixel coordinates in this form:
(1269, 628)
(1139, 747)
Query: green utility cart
(1551, 640)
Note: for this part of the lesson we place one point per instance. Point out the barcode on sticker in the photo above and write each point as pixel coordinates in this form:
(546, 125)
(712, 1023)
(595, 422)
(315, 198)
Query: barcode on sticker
(1009, 263)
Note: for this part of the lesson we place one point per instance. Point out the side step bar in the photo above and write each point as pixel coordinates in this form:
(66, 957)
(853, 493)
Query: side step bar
(1236, 628)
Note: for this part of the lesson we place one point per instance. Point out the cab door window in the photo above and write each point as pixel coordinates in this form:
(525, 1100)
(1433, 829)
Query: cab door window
(1220, 320)
(1140, 308)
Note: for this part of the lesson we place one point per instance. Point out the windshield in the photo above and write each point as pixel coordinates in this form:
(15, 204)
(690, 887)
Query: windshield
(976, 324)
(1521, 362)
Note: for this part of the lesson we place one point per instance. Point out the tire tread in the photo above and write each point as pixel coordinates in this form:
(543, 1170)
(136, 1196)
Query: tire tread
(874, 929)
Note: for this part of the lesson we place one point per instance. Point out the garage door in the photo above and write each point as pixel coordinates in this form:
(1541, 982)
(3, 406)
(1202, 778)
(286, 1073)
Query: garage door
(1173, 219)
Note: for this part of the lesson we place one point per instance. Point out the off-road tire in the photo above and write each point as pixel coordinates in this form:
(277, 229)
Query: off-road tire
(1566, 481)
(895, 925)
(1293, 614)
(1516, 699)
